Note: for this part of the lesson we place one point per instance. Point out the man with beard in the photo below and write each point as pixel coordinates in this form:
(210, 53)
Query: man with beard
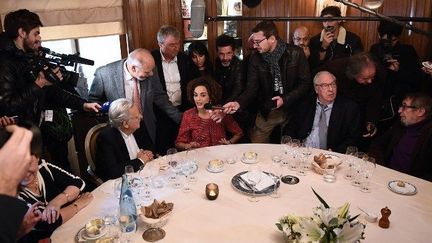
(327, 120)
(301, 38)
(278, 76)
(22, 92)
(406, 146)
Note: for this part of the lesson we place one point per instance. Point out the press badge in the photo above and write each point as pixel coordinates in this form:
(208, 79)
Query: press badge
(49, 115)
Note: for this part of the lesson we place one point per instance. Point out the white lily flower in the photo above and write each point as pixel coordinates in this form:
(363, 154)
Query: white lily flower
(349, 233)
(310, 231)
(327, 214)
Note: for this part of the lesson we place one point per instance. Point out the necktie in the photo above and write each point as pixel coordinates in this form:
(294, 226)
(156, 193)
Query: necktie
(136, 100)
(322, 128)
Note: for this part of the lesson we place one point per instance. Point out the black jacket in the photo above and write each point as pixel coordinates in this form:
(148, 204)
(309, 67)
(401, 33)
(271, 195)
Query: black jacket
(19, 95)
(344, 123)
(296, 80)
(231, 79)
(382, 149)
(112, 154)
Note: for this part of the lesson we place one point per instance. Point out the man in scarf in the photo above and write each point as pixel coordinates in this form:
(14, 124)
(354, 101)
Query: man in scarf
(278, 76)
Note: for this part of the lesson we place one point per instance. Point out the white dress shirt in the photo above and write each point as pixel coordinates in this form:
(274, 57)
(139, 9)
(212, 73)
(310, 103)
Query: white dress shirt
(131, 145)
(313, 138)
(172, 80)
(129, 83)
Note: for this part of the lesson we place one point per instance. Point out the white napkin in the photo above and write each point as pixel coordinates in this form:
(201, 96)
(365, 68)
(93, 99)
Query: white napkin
(265, 182)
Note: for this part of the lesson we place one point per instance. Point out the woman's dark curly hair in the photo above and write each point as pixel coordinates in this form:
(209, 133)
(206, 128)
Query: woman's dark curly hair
(213, 89)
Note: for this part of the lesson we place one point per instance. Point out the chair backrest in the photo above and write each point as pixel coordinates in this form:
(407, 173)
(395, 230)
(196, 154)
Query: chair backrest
(90, 144)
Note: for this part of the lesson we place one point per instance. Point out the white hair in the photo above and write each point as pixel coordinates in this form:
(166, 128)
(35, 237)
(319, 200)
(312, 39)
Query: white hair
(119, 112)
(316, 77)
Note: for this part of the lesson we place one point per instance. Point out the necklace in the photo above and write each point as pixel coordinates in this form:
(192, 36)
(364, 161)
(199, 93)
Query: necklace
(34, 186)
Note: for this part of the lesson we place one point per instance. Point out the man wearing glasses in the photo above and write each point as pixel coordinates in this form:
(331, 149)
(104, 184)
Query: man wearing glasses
(406, 146)
(327, 120)
(278, 76)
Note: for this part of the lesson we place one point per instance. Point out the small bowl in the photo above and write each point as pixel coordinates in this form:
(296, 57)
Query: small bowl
(155, 223)
(215, 164)
(94, 227)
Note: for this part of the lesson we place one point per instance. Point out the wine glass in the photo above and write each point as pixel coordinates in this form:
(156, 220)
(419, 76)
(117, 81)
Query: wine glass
(277, 171)
(170, 156)
(186, 168)
(253, 177)
(367, 172)
(351, 151)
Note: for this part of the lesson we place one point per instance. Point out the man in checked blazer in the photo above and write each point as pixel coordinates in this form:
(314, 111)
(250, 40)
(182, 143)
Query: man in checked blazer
(342, 117)
(116, 80)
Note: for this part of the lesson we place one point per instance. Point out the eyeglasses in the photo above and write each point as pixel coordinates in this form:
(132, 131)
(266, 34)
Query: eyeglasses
(257, 43)
(405, 106)
(327, 86)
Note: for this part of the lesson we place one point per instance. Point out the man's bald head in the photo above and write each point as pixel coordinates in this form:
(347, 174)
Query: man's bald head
(301, 36)
(140, 64)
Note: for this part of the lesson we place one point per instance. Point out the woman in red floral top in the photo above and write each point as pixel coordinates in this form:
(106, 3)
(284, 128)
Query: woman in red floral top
(197, 129)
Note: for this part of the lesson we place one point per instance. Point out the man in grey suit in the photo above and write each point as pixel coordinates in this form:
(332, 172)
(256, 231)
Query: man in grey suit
(117, 80)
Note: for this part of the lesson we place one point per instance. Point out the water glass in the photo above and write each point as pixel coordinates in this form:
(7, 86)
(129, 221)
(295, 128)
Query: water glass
(350, 172)
(301, 162)
(351, 150)
(186, 169)
(231, 159)
(329, 174)
(276, 158)
(277, 171)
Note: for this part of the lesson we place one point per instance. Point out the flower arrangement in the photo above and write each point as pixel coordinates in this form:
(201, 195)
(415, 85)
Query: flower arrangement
(328, 224)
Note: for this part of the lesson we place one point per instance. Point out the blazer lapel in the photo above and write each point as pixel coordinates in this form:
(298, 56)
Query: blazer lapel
(118, 80)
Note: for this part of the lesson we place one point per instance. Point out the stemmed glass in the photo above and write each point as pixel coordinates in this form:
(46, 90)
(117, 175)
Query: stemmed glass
(186, 168)
(253, 177)
(351, 152)
(170, 156)
(357, 168)
(192, 162)
(367, 172)
(146, 174)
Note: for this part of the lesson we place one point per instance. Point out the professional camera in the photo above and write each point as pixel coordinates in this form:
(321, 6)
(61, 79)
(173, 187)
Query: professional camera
(46, 60)
(387, 51)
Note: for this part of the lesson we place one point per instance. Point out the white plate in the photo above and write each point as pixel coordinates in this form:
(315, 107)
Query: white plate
(249, 161)
(215, 171)
(408, 189)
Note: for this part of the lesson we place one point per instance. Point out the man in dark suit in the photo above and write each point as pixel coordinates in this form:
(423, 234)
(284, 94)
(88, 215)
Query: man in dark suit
(326, 121)
(116, 80)
(173, 69)
(118, 146)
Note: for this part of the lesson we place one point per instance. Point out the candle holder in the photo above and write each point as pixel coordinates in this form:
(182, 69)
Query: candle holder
(212, 191)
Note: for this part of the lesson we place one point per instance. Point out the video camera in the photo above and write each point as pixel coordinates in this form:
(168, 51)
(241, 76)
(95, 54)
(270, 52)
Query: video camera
(45, 60)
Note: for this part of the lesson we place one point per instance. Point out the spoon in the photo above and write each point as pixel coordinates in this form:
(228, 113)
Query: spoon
(370, 217)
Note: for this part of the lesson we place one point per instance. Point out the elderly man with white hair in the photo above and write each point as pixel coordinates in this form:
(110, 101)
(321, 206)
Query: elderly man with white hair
(326, 120)
(117, 146)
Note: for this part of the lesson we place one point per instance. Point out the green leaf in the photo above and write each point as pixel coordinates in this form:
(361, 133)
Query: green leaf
(353, 218)
(320, 199)
(279, 226)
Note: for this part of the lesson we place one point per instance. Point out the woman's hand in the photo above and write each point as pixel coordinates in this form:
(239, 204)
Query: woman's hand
(224, 141)
(51, 213)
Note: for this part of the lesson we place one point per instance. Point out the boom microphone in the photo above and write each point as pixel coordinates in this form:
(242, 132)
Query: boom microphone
(197, 18)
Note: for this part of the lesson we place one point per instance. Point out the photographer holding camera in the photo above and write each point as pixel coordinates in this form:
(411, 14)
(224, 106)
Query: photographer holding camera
(24, 92)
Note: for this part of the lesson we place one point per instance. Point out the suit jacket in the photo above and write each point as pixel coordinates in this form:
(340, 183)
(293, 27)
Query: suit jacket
(11, 217)
(344, 123)
(183, 63)
(382, 149)
(108, 85)
(112, 154)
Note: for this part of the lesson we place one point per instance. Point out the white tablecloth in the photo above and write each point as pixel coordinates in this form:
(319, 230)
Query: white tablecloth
(232, 218)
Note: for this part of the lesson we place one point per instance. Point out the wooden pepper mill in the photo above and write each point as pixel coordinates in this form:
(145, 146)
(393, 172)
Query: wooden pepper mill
(384, 221)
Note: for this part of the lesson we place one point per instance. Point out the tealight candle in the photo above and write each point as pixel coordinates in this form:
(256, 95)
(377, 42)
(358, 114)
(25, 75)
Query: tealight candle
(212, 191)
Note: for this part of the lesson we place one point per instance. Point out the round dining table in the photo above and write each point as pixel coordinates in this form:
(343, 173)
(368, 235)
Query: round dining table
(233, 218)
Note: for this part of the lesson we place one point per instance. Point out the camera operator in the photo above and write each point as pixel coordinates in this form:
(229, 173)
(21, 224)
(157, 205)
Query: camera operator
(401, 61)
(22, 93)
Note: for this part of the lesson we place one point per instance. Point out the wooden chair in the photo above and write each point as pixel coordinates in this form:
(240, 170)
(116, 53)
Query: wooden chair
(90, 151)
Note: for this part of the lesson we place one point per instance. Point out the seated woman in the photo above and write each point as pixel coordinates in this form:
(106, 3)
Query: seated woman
(196, 128)
(53, 193)
(202, 65)
(117, 145)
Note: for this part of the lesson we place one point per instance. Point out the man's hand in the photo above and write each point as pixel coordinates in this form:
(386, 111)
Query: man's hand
(371, 130)
(306, 51)
(14, 159)
(231, 107)
(145, 155)
(279, 102)
(216, 115)
(92, 107)
(31, 218)
(41, 81)
(393, 64)
(327, 39)
(6, 121)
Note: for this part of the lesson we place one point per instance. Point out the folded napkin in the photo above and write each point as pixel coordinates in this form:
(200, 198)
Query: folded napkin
(265, 182)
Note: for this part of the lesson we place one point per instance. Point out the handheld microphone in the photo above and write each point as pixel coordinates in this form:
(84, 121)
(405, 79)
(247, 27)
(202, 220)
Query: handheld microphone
(105, 107)
(197, 18)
